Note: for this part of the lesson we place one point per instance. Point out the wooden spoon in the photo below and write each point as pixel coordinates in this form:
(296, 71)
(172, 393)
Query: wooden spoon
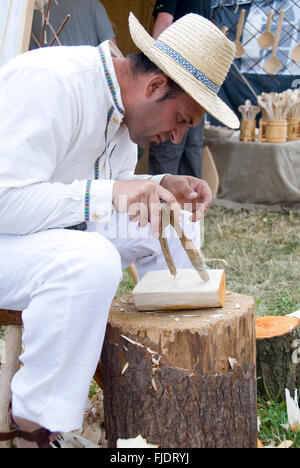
(273, 64)
(240, 51)
(266, 39)
(278, 103)
(296, 53)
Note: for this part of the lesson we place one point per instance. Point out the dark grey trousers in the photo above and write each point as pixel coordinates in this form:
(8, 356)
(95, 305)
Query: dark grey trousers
(182, 159)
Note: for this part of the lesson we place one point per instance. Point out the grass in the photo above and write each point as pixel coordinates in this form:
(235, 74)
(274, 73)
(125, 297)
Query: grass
(262, 251)
(272, 415)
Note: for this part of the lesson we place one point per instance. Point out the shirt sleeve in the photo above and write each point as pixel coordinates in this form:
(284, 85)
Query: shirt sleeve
(165, 6)
(38, 118)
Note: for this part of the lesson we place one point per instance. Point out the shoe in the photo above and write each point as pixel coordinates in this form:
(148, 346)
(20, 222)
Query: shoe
(42, 437)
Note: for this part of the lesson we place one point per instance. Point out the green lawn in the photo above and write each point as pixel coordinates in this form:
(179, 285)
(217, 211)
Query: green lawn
(263, 255)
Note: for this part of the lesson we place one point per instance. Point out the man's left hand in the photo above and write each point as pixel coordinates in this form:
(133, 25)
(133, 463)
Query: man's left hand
(191, 193)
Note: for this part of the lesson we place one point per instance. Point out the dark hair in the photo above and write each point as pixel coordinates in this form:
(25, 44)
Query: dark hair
(141, 64)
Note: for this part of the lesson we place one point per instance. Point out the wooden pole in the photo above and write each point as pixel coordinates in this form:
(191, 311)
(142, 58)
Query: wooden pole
(181, 378)
(12, 351)
(26, 25)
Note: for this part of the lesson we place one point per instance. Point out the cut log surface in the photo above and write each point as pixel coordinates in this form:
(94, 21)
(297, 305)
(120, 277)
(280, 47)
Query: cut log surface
(181, 378)
(159, 290)
(278, 355)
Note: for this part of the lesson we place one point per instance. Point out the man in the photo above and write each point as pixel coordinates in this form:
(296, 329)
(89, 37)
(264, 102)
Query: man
(88, 24)
(185, 157)
(69, 117)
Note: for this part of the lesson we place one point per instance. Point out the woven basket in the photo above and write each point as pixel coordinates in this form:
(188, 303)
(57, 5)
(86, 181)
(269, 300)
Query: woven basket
(118, 12)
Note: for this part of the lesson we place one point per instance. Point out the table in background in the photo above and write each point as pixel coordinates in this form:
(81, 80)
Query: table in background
(257, 173)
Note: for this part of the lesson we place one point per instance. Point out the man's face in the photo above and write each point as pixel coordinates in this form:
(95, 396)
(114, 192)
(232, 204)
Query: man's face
(152, 121)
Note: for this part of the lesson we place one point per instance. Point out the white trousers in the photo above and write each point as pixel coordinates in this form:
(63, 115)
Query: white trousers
(64, 282)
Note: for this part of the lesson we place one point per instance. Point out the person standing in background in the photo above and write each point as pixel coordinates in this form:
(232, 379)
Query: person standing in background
(89, 23)
(184, 158)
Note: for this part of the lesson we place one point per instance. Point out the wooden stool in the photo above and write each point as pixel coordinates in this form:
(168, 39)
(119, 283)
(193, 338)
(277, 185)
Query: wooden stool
(181, 378)
(11, 364)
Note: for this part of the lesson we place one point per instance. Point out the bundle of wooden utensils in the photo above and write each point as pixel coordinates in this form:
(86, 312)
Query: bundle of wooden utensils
(248, 123)
(280, 116)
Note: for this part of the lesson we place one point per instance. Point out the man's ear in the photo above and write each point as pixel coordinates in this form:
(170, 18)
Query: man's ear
(156, 86)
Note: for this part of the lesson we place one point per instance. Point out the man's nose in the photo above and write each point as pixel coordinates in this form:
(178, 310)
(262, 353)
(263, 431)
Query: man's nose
(178, 133)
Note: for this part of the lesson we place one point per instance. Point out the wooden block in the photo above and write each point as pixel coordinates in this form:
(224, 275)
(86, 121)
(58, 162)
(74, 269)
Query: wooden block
(159, 290)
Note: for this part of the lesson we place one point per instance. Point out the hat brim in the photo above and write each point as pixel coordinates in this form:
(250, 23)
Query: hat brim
(197, 90)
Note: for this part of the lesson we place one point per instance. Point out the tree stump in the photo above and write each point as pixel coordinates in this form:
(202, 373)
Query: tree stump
(278, 355)
(181, 379)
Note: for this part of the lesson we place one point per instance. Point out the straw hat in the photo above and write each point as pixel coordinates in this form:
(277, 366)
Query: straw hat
(196, 55)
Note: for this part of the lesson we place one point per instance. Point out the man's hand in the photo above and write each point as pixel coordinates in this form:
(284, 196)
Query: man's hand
(141, 200)
(189, 191)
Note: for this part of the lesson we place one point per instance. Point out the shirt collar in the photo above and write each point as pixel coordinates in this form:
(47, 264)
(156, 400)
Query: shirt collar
(107, 50)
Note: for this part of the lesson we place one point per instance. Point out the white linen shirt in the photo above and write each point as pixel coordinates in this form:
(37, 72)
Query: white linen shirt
(60, 126)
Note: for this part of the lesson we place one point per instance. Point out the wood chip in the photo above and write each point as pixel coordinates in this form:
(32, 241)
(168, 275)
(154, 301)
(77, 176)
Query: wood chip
(132, 341)
(233, 362)
(285, 444)
(295, 427)
(154, 384)
(125, 368)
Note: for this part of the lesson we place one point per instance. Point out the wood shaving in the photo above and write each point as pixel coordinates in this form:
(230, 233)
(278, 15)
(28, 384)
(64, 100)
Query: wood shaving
(233, 362)
(125, 368)
(132, 341)
(285, 444)
(154, 384)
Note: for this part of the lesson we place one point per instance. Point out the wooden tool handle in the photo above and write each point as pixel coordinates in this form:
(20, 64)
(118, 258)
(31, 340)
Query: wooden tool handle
(278, 32)
(192, 252)
(240, 25)
(196, 258)
(270, 18)
(167, 254)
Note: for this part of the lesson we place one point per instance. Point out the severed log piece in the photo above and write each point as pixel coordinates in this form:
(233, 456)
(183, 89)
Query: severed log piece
(181, 378)
(278, 355)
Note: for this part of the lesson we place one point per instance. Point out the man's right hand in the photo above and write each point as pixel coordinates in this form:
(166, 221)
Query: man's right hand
(141, 200)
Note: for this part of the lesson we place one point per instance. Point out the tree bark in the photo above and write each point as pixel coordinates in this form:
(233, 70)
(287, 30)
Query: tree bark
(278, 365)
(181, 379)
